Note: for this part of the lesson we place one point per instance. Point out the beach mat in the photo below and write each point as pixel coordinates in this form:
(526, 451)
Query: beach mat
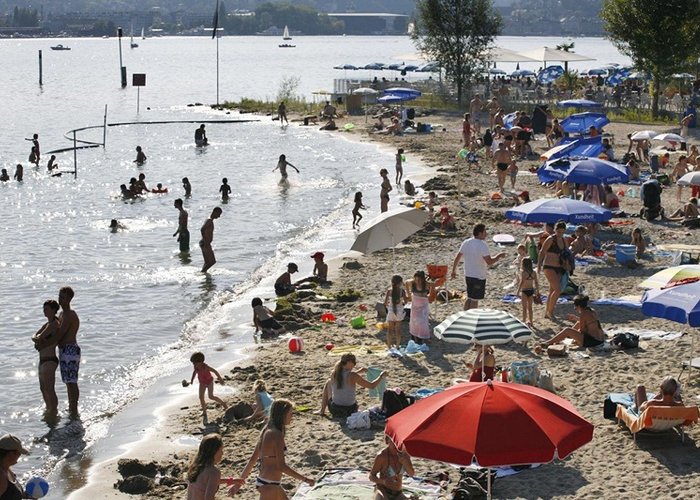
(354, 484)
(376, 349)
(646, 334)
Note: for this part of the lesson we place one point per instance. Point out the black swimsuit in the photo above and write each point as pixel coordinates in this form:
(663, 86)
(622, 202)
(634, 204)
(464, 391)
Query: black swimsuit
(554, 248)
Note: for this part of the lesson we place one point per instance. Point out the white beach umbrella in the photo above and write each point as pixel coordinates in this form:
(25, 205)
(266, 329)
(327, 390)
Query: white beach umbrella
(499, 54)
(669, 137)
(365, 91)
(690, 179)
(482, 326)
(390, 229)
(545, 54)
(644, 135)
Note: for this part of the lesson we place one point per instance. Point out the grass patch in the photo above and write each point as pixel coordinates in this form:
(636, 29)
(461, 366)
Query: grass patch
(642, 116)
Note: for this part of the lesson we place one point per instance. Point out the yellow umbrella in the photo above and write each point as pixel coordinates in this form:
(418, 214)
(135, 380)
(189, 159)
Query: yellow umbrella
(671, 276)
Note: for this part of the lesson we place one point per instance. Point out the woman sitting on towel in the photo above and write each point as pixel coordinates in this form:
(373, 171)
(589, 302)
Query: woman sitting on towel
(587, 331)
(339, 392)
(387, 472)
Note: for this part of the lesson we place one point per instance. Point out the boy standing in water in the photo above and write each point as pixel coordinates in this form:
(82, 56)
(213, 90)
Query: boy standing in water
(207, 237)
(68, 348)
(36, 153)
(182, 233)
(225, 189)
(140, 156)
(282, 165)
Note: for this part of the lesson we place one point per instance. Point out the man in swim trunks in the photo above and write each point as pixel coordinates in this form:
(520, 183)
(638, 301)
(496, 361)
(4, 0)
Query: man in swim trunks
(207, 231)
(502, 159)
(200, 136)
(182, 231)
(68, 348)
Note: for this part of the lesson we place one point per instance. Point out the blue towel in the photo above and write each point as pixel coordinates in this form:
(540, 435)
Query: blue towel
(618, 302)
(372, 375)
(424, 393)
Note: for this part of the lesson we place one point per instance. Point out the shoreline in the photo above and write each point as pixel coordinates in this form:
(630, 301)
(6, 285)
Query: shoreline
(582, 378)
(169, 414)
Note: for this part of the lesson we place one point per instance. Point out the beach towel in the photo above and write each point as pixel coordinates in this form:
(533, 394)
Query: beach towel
(645, 334)
(377, 350)
(372, 375)
(657, 418)
(423, 393)
(631, 304)
(354, 484)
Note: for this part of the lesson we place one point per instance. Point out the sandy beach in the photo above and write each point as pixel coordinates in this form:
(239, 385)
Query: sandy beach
(612, 465)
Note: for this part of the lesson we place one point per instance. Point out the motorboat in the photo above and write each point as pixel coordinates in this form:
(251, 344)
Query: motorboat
(286, 46)
(59, 47)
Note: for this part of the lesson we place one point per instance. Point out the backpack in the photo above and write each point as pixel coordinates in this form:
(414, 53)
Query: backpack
(395, 400)
(567, 260)
(625, 340)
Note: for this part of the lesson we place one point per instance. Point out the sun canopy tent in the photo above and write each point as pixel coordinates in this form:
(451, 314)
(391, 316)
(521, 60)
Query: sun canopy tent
(545, 54)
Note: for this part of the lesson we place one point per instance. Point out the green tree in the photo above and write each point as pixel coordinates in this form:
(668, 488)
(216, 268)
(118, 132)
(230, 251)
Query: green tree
(661, 38)
(457, 34)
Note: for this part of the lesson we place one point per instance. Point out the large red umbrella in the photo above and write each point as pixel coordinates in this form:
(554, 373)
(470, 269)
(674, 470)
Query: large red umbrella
(492, 423)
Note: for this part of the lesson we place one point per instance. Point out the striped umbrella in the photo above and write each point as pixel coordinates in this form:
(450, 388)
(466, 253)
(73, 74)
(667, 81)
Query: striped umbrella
(482, 326)
(671, 276)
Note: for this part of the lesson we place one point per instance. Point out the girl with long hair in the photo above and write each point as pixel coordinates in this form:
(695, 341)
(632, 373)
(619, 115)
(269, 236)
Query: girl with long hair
(203, 475)
(394, 301)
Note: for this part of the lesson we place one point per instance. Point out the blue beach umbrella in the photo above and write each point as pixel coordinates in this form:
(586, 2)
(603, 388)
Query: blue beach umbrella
(549, 74)
(618, 76)
(555, 209)
(597, 72)
(579, 103)
(393, 98)
(497, 71)
(346, 67)
(431, 67)
(403, 91)
(509, 120)
(579, 123)
(583, 171)
(522, 72)
(680, 303)
(374, 66)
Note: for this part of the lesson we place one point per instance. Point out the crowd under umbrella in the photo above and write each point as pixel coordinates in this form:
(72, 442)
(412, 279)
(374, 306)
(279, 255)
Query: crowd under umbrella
(491, 424)
(580, 123)
(552, 210)
(389, 229)
(583, 171)
(671, 276)
(679, 303)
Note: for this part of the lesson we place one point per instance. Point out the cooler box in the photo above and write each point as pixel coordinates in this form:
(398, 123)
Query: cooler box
(625, 253)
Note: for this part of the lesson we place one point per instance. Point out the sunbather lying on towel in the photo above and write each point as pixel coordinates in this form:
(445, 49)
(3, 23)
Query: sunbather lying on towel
(669, 395)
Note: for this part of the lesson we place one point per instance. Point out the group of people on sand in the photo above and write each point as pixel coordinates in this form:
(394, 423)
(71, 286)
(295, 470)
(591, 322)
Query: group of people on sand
(284, 285)
(60, 332)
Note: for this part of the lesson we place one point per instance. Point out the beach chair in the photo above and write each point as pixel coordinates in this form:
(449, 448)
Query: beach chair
(438, 275)
(657, 419)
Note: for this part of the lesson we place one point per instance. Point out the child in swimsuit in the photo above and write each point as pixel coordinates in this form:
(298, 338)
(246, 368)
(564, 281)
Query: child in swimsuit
(394, 301)
(527, 288)
(225, 189)
(263, 319)
(263, 402)
(203, 475)
(356, 215)
(206, 381)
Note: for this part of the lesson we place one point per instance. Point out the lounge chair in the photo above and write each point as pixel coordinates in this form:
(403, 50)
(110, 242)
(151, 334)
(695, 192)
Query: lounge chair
(658, 418)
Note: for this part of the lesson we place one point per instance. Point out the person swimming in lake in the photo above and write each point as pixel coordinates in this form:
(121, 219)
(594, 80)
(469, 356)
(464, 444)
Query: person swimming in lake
(182, 233)
(35, 154)
(115, 225)
(282, 165)
(19, 173)
(207, 232)
(187, 187)
(51, 165)
(225, 189)
(200, 136)
(140, 156)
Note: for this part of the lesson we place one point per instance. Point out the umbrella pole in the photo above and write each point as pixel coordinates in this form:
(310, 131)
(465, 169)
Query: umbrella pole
(692, 349)
(488, 483)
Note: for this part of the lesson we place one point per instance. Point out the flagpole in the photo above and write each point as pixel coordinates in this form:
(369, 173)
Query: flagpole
(217, 67)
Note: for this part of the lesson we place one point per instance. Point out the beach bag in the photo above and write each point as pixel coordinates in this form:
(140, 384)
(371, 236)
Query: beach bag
(395, 400)
(359, 420)
(612, 400)
(567, 260)
(546, 381)
(524, 372)
(625, 340)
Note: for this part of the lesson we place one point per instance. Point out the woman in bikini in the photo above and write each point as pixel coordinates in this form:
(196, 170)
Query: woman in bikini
(528, 286)
(550, 261)
(387, 472)
(270, 453)
(587, 331)
(45, 342)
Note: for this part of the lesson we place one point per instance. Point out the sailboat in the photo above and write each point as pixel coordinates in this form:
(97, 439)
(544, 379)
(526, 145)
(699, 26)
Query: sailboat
(143, 35)
(285, 36)
(132, 44)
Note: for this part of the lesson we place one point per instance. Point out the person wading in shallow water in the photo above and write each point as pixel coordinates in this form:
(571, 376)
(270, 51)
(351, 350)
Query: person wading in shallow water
(182, 233)
(207, 237)
(68, 348)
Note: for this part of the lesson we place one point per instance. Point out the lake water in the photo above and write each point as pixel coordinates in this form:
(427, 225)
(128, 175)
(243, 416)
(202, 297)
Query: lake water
(143, 308)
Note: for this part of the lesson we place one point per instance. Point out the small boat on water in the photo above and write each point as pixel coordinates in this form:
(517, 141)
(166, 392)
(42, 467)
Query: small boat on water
(286, 46)
(143, 35)
(59, 47)
(285, 35)
(131, 42)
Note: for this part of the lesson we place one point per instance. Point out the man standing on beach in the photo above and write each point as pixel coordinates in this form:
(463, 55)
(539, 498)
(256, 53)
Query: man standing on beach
(182, 233)
(502, 159)
(68, 348)
(207, 237)
(477, 260)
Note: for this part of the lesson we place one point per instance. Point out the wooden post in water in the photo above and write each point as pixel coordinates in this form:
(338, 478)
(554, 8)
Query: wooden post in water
(75, 156)
(104, 129)
(41, 77)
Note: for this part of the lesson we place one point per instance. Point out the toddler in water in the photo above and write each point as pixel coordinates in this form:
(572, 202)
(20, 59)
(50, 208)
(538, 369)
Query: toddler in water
(203, 475)
(356, 215)
(206, 381)
(263, 402)
(528, 286)
(263, 319)
(225, 189)
(394, 301)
